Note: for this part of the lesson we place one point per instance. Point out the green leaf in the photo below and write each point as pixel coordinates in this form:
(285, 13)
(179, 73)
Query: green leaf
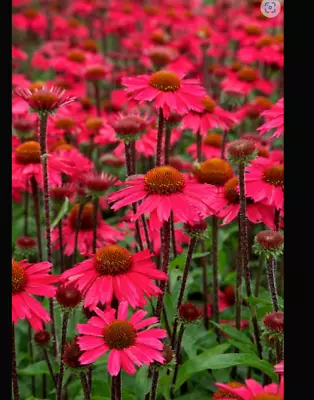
(142, 384)
(213, 361)
(101, 387)
(252, 300)
(101, 398)
(196, 395)
(243, 347)
(199, 363)
(189, 340)
(200, 255)
(178, 262)
(62, 212)
(32, 398)
(233, 333)
(39, 368)
(164, 386)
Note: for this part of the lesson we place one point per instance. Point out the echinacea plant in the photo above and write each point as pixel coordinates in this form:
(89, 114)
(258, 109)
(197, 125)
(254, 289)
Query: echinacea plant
(148, 200)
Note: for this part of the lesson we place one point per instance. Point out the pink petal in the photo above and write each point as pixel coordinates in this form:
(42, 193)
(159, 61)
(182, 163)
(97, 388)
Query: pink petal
(114, 362)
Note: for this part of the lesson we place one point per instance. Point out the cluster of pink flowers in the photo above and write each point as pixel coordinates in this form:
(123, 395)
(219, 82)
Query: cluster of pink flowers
(136, 131)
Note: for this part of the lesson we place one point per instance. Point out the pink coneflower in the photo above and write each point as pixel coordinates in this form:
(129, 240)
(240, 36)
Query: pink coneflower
(246, 80)
(168, 90)
(158, 56)
(126, 340)
(60, 192)
(274, 120)
(26, 163)
(114, 271)
(265, 182)
(179, 163)
(17, 187)
(277, 155)
(223, 304)
(255, 391)
(97, 130)
(129, 126)
(227, 206)
(27, 280)
(44, 99)
(164, 189)
(71, 156)
(98, 184)
(75, 61)
(211, 117)
(19, 80)
(106, 234)
(18, 56)
(279, 368)
(31, 19)
(254, 108)
(211, 147)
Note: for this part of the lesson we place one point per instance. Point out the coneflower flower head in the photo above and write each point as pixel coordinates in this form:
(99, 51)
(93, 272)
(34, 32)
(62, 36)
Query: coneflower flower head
(45, 100)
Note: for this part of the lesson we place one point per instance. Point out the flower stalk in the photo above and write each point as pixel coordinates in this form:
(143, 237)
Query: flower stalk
(192, 246)
(16, 392)
(43, 119)
(159, 138)
(63, 341)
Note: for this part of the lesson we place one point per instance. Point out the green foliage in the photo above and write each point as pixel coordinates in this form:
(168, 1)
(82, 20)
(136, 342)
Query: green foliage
(213, 360)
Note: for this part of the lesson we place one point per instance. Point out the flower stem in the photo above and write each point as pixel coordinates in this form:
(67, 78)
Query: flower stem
(205, 285)
(129, 172)
(223, 144)
(176, 369)
(133, 156)
(147, 238)
(277, 219)
(85, 386)
(188, 260)
(31, 357)
(173, 236)
(245, 255)
(95, 215)
(168, 329)
(168, 131)
(62, 265)
(26, 210)
(43, 119)
(63, 341)
(44, 386)
(165, 262)
(113, 388)
(159, 138)
(238, 291)
(43, 152)
(205, 73)
(77, 230)
(16, 393)
(215, 274)
(199, 147)
(98, 110)
(90, 378)
(272, 283)
(281, 278)
(34, 187)
(118, 386)
(259, 276)
(160, 302)
(46, 357)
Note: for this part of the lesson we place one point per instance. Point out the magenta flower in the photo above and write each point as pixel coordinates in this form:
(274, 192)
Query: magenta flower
(168, 91)
(129, 344)
(27, 280)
